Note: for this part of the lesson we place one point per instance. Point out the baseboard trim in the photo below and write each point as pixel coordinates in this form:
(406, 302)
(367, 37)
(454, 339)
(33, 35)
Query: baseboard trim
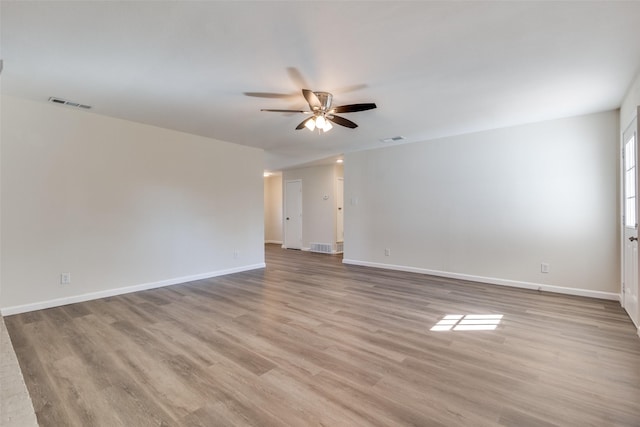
(491, 280)
(8, 311)
(274, 242)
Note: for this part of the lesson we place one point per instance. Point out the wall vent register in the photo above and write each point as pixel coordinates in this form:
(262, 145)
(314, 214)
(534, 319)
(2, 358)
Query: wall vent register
(325, 248)
(393, 139)
(61, 101)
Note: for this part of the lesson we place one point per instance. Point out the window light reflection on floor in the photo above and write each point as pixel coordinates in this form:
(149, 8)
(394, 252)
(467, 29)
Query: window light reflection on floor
(469, 322)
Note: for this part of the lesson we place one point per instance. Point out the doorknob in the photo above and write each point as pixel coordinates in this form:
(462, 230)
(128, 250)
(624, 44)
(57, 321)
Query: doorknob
(633, 239)
(287, 218)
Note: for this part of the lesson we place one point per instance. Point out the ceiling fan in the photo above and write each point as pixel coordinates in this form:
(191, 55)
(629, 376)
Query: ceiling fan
(323, 113)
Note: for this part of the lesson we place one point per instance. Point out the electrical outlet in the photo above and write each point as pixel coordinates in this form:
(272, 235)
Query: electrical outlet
(387, 252)
(65, 278)
(236, 254)
(544, 267)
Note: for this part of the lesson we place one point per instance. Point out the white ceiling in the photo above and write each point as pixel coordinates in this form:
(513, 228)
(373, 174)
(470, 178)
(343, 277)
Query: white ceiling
(433, 68)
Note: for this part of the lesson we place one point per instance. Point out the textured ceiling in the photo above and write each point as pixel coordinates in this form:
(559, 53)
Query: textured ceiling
(433, 68)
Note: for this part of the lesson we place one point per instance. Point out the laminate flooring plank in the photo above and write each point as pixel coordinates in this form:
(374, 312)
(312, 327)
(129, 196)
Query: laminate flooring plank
(358, 339)
(269, 347)
(224, 347)
(101, 309)
(276, 405)
(310, 353)
(242, 400)
(446, 403)
(311, 341)
(47, 403)
(166, 388)
(85, 404)
(373, 407)
(213, 414)
(314, 404)
(76, 310)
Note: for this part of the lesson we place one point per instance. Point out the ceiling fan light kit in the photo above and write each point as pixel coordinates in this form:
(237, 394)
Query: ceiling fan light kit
(323, 114)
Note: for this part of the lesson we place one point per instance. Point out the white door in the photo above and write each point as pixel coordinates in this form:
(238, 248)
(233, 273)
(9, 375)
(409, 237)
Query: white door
(340, 207)
(630, 246)
(293, 214)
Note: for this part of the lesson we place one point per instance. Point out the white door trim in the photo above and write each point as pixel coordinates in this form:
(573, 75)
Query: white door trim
(286, 243)
(629, 250)
(340, 209)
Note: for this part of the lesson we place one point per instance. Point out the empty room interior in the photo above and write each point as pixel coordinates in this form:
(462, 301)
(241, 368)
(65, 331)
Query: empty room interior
(328, 213)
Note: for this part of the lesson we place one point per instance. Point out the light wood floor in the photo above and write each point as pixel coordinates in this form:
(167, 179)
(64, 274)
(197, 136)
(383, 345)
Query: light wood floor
(310, 341)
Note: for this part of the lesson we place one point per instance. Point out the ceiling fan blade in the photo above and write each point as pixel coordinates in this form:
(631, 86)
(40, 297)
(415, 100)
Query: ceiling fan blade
(342, 121)
(303, 123)
(352, 108)
(296, 77)
(270, 95)
(312, 99)
(283, 111)
(351, 88)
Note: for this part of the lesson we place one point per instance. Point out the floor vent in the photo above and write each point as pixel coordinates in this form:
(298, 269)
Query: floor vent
(324, 248)
(340, 247)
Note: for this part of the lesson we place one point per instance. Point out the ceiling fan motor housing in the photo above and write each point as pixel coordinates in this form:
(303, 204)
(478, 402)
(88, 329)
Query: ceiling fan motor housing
(325, 99)
(321, 110)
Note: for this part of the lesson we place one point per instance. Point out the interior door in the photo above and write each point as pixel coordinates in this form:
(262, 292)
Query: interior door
(293, 214)
(630, 246)
(340, 210)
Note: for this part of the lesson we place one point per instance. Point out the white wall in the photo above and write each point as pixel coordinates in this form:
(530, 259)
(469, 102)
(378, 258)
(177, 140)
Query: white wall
(630, 103)
(318, 213)
(118, 205)
(273, 209)
(493, 206)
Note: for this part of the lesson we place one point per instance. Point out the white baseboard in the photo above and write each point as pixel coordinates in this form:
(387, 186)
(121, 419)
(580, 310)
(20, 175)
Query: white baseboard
(492, 280)
(7, 311)
(275, 242)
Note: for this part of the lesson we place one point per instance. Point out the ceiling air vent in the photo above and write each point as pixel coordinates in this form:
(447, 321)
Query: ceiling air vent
(69, 103)
(393, 139)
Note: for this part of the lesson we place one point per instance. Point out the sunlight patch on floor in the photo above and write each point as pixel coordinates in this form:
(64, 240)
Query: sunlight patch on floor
(468, 322)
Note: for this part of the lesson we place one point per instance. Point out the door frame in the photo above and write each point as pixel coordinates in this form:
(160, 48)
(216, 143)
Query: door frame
(339, 208)
(284, 212)
(623, 287)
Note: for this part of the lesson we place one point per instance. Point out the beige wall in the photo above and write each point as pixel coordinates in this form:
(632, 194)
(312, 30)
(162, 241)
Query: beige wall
(119, 205)
(273, 209)
(493, 206)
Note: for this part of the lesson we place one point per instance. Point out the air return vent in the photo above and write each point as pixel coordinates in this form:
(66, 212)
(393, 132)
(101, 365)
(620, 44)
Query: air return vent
(324, 248)
(393, 139)
(61, 101)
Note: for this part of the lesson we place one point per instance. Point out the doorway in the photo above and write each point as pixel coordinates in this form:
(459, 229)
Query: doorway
(630, 222)
(340, 211)
(293, 214)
